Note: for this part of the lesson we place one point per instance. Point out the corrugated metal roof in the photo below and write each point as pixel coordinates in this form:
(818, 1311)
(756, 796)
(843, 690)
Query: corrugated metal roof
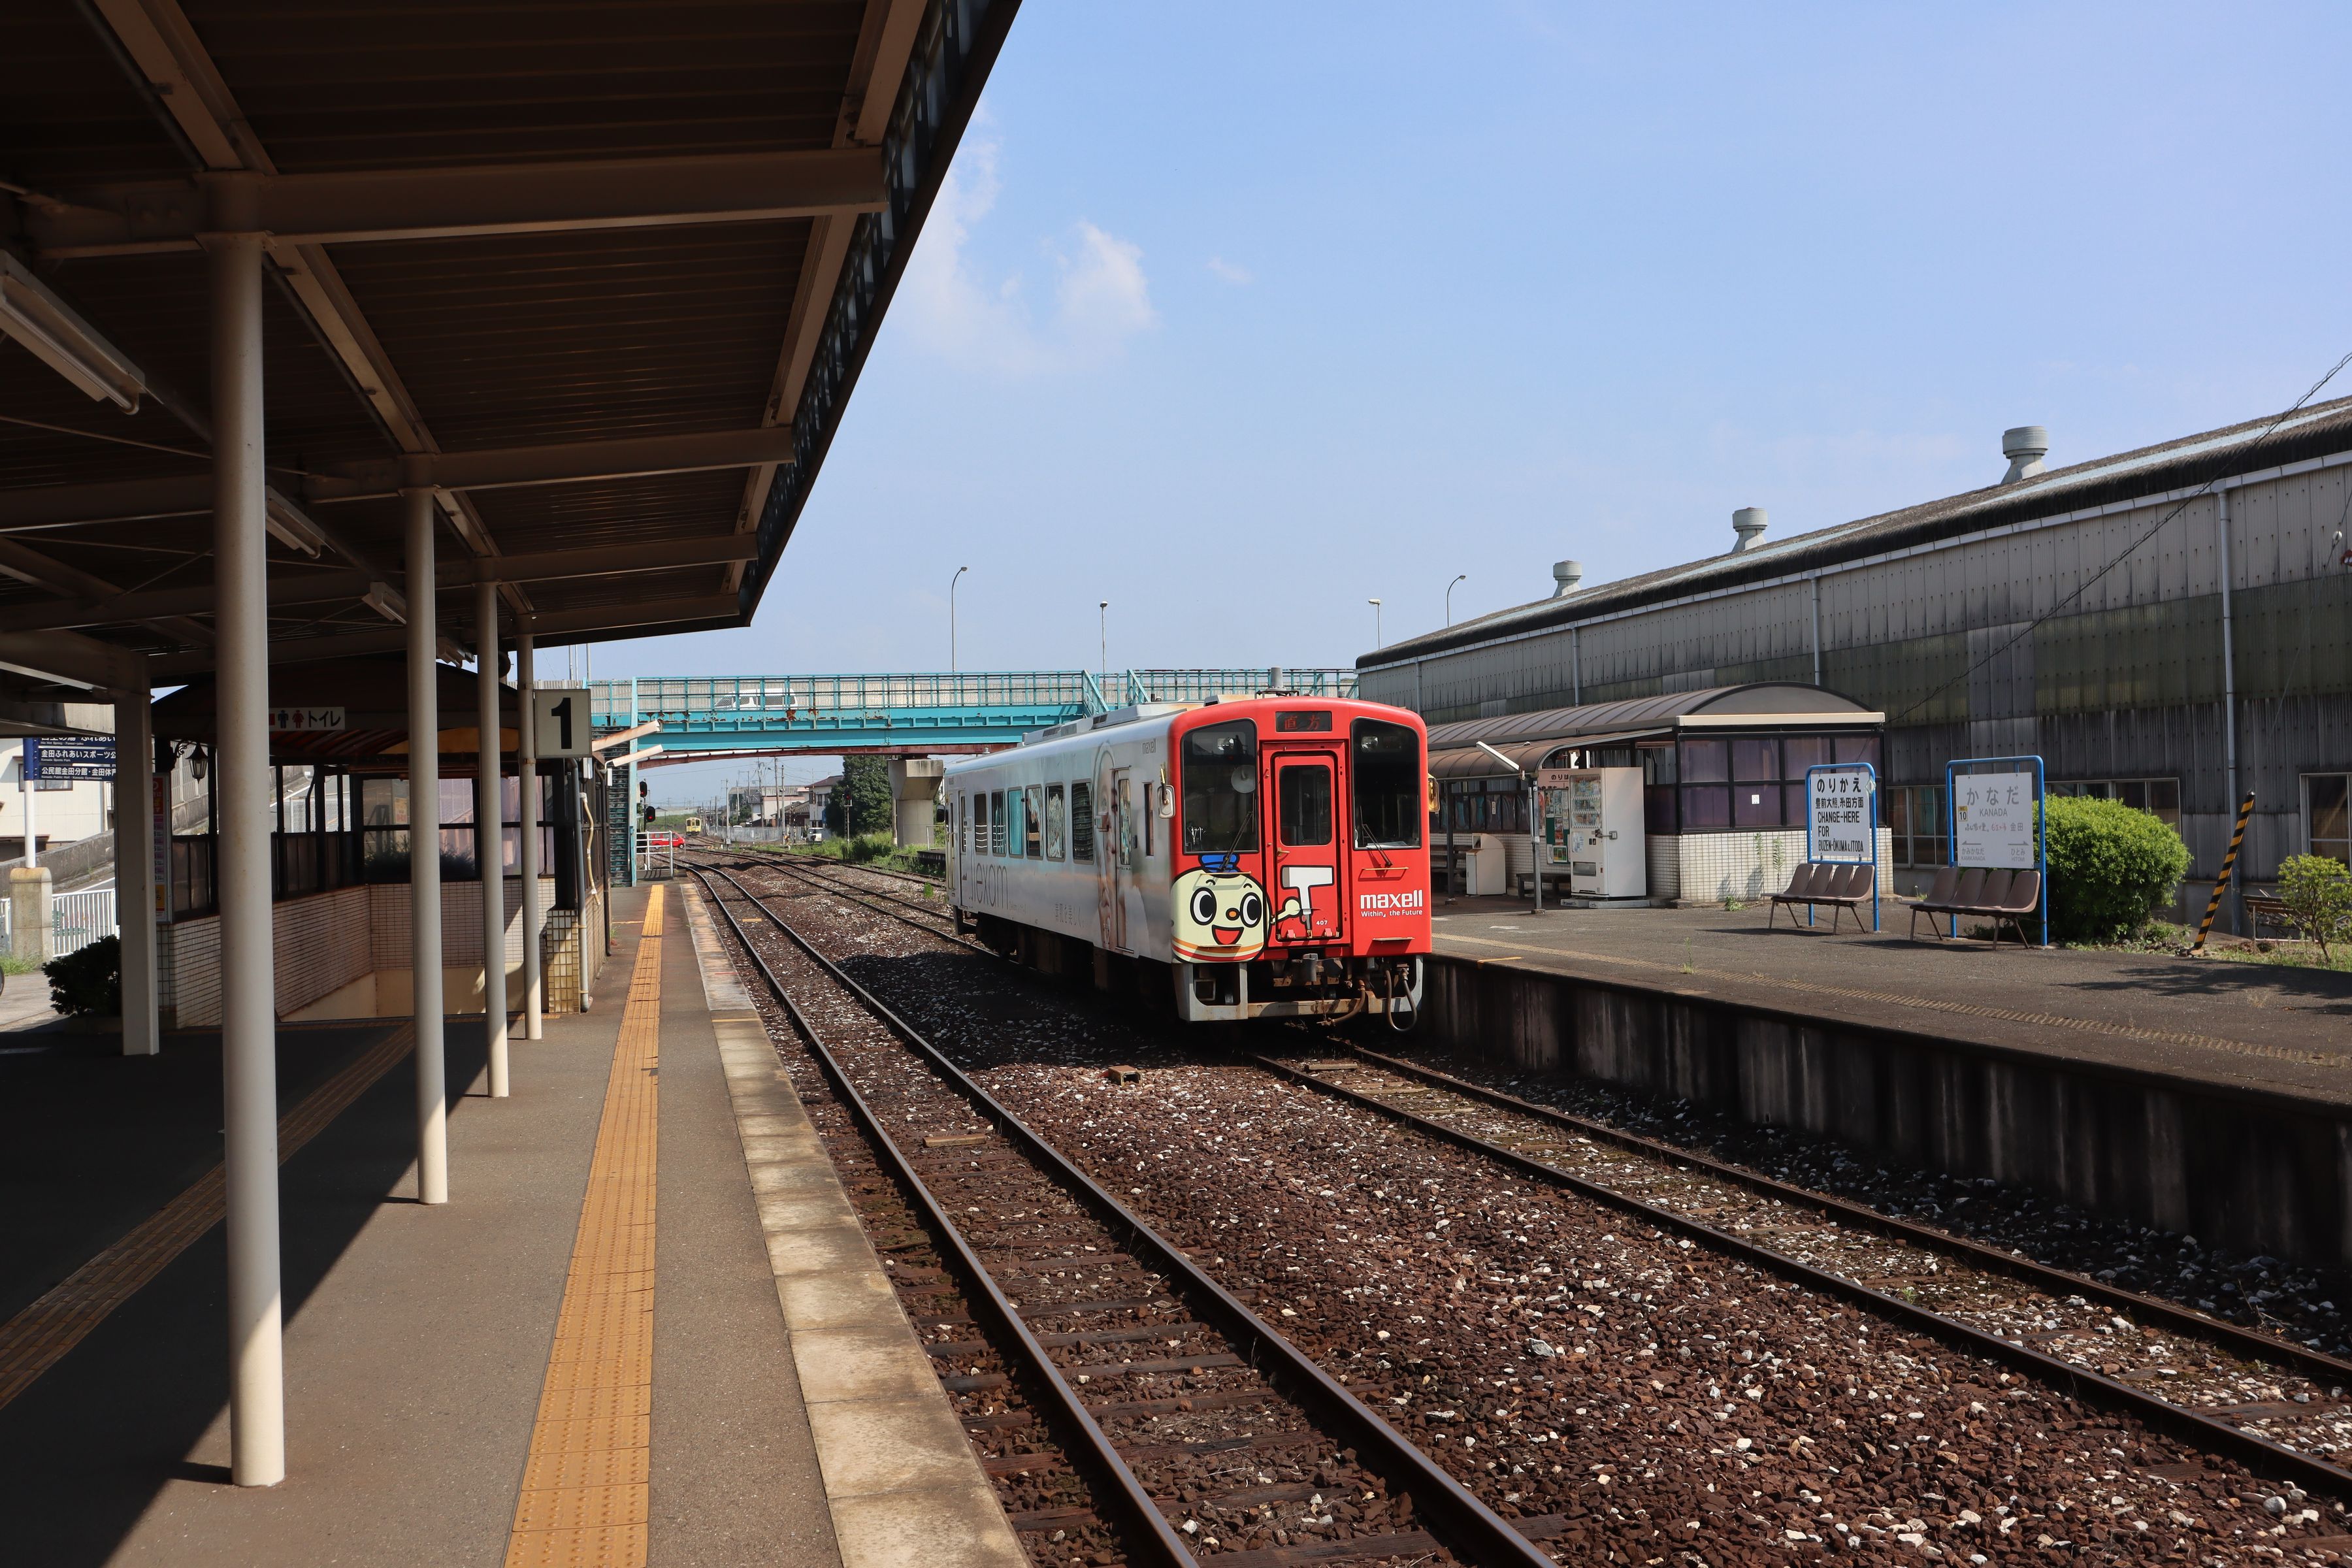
(2189, 461)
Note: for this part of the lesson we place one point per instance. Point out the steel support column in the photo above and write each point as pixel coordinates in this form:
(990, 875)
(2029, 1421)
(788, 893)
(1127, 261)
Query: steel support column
(526, 777)
(134, 868)
(490, 835)
(424, 858)
(249, 999)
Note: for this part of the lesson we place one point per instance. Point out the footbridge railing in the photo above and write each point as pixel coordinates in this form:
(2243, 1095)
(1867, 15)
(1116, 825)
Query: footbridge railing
(958, 711)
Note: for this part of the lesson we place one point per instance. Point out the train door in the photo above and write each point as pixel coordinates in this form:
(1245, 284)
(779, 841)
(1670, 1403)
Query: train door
(1307, 813)
(1122, 855)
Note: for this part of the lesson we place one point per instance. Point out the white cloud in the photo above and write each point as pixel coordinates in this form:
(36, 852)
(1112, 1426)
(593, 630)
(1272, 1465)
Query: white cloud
(1101, 297)
(1229, 271)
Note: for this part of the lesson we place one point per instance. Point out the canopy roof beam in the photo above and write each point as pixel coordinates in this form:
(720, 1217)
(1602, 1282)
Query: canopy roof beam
(378, 205)
(331, 585)
(127, 500)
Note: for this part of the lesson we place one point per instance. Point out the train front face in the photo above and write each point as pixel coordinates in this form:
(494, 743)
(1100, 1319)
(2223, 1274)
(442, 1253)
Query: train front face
(1301, 877)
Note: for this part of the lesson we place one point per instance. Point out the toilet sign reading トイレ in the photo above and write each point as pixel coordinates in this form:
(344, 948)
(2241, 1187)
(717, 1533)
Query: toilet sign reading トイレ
(1840, 819)
(1992, 820)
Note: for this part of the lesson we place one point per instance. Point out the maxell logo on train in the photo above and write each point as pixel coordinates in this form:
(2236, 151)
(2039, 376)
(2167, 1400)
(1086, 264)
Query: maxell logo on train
(1388, 903)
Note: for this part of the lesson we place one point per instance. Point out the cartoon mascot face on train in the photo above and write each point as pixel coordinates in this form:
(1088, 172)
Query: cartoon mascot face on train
(1220, 912)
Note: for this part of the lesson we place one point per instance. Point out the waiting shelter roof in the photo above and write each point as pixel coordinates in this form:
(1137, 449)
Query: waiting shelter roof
(1527, 739)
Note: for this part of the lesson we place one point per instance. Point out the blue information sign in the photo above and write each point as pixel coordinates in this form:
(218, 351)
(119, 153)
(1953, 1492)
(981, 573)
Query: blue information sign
(50, 757)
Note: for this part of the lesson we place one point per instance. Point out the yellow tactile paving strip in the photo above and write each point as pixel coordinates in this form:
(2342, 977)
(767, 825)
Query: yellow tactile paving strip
(38, 1337)
(585, 1500)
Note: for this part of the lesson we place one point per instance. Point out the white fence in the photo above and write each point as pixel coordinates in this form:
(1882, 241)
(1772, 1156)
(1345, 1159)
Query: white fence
(76, 920)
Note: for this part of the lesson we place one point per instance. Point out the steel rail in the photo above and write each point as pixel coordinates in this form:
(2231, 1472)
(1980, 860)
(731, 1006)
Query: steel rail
(1112, 1472)
(2204, 1432)
(864, 897)
(2251, 1343)
(2229, 1336)
(1486, 1536)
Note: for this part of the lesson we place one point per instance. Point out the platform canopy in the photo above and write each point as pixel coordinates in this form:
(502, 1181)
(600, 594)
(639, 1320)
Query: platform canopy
(1527, 740)
(599, 278)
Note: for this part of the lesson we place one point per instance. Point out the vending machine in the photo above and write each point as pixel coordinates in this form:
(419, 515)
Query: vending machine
(1593, 829)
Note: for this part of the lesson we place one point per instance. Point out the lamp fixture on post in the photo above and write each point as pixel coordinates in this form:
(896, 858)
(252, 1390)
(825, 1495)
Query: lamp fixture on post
(1375, 604)
(1463, 577)
(952, 624)
(1102, 629)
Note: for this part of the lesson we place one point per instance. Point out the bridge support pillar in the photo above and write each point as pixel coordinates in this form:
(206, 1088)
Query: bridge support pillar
(914, 793)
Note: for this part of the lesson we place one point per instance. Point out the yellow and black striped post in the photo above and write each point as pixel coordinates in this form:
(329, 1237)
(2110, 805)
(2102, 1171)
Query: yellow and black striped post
(2222, 883)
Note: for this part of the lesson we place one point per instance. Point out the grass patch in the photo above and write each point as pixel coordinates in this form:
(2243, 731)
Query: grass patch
(11, 964)
(866, 849)
(2165, 937)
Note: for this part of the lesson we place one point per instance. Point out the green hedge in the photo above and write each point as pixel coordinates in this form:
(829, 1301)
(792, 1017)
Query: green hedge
(2110, 866)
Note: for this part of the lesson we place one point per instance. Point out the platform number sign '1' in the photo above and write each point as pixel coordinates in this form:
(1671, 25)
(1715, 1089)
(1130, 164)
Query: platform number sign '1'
(559, 719)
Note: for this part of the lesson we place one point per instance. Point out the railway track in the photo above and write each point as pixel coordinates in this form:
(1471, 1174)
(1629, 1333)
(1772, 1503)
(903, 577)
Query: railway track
(2220, 1391)
(1221, 1442)
(2278, 1406)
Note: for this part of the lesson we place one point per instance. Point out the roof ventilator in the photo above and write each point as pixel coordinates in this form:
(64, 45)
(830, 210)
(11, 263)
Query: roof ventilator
(1565, 576)
(1747, 524)
(2024, 446)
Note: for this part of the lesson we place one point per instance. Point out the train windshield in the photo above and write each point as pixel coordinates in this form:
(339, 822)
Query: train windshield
(1220, 788)
(1387, 784)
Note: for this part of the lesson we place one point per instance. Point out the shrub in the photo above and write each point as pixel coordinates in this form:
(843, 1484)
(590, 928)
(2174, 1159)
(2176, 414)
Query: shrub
(88, 980)
(2110, 864)
(2317, 893)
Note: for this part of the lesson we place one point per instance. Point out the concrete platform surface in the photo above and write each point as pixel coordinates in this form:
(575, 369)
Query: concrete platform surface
(2206, 1020)
(418, 1340)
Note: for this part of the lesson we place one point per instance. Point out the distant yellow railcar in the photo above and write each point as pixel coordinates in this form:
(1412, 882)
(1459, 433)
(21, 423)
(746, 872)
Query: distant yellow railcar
(694, 825)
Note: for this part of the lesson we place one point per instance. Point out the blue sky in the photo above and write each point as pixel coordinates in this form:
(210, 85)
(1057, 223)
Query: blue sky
(1239, 315)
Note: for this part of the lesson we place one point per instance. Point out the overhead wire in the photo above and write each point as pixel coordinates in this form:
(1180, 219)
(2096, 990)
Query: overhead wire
(2234, 459)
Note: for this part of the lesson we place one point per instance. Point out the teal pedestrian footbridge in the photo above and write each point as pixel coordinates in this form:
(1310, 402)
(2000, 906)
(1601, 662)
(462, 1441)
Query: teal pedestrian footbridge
(704, 717)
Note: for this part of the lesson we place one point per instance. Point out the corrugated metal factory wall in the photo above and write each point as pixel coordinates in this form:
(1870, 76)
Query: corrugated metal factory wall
(2124, 680)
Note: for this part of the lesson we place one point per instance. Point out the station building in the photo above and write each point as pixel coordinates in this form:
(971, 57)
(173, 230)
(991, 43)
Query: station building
(2166, 626)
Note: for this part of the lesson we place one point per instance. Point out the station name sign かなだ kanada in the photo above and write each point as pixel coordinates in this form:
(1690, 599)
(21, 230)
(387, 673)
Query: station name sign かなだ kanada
(1993, 820)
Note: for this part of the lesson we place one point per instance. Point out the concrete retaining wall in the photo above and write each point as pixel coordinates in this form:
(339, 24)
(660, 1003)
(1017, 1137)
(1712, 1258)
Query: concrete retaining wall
(2257, 1170)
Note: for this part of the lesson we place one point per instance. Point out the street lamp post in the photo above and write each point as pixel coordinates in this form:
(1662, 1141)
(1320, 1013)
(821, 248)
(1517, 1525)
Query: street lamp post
(1465, 577)
(1375, 604)
(1102, 629)
(952, 626)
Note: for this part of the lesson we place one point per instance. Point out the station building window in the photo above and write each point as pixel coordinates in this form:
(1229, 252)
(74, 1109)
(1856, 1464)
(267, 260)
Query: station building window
(2328, 815)
(1056, 821)
(1082, 821)
(1913, 815)
(1743, 782)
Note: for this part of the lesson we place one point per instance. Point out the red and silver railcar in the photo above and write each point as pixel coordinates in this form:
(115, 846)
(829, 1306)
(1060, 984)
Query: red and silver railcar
(1252, 857)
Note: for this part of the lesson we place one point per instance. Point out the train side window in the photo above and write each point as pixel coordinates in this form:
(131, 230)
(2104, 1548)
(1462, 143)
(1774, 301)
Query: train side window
(962, 838)
(996, 822)
(1220, 789)
(1033, 822)
(1056, 818)
(1082, 821)
(1017, 825)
